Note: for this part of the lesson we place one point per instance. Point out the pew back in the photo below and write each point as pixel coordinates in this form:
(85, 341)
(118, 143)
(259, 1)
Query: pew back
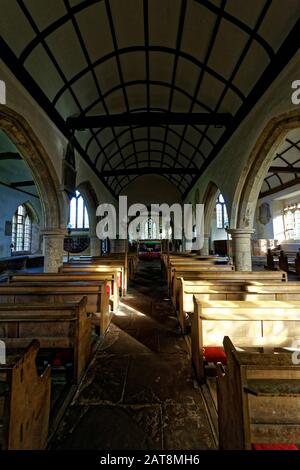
(257, 323)
(56, 326)
(24, 402)
(97, 297)
(225, 277)
(218, 290)
(73, 279)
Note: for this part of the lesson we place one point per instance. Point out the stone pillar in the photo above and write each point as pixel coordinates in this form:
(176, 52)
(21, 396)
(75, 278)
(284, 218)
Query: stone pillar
(205, 249)
(53, 249)
(95, 247)
(241, 248)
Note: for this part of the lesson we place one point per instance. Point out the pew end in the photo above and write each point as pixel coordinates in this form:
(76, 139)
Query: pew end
(25, 402)
(258, 399)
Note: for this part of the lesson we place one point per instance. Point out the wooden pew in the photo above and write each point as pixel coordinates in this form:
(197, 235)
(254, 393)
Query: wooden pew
(179, 270)
(270, 260)
(222, 290)
(258, 399)
(188, 257)
(56, 326)
(214, 290)
(212, 278)
(82, 268)
(73, 279)
(248, 323)
(181, 263)
(132, 258)
(24, 402)
(288, 261)
(97, 297)
(283, 261)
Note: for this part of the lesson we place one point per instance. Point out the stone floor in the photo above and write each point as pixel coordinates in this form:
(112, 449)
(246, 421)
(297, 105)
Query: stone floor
(140, 391)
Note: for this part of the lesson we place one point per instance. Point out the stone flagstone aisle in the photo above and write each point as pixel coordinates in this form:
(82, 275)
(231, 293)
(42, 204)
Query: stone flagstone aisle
(140, 391)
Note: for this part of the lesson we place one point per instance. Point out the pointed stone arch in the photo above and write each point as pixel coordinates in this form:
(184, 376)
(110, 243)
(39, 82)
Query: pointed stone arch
(250, 183)
(52, 199)
(260, 159)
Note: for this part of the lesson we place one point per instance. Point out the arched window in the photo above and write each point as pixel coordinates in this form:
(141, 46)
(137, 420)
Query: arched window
(78, 215)
(221, 212)
(21, 230)
(292, 221)
(150, 229)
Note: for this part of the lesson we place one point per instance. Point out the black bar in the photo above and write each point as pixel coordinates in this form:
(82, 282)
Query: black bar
(10, 156)
(18, 184)
(283, 169)
(148, 119)
(151, 170)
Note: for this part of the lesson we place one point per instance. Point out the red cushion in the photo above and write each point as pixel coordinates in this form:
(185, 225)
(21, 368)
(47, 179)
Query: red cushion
(274, 447)
(108, 290)
(62, 357)
(214, 354)
(56, 362)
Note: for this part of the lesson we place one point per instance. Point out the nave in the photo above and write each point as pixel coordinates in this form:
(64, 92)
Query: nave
(140, 391)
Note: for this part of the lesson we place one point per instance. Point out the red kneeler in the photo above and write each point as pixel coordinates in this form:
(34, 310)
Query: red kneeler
(274, 447)
(214, 354)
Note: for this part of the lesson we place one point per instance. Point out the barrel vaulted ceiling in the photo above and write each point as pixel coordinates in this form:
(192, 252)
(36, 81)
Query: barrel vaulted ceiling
(173, 57)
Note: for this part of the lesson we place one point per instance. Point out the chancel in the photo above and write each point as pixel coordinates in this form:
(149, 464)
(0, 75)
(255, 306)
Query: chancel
(150, 336)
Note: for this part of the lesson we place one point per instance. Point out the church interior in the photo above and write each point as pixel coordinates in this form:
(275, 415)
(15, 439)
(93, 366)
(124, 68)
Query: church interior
(150, 341)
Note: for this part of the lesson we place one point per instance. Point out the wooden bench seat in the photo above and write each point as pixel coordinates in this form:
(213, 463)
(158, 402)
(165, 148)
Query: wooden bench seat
(97, 297)
(189, 257)
(257, 323)
(180, 271)
(128, 261)
(224, 277)
(93, 269)
(230, 291)
(56, 326)
(258, 399)
(73, 279)
(24, 402)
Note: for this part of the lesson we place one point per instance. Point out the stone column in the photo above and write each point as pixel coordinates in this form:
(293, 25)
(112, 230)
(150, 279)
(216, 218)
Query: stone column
(205, 249)
(241, 248)
(95, 247)
(53, 249)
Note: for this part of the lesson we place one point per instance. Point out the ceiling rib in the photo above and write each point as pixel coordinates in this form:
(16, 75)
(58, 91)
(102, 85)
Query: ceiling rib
(149, 119)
